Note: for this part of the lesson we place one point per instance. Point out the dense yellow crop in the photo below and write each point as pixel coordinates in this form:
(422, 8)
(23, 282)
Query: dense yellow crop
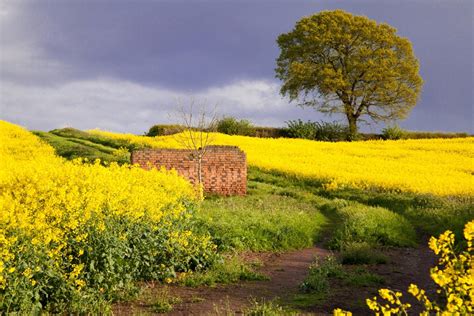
(59, 217)
(438, 166)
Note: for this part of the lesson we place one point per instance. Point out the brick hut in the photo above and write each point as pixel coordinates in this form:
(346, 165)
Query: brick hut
(224, 168)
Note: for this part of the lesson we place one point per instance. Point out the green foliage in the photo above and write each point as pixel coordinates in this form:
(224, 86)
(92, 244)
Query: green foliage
(361, 253)
(112, 258)
(353, 64)
(270, 132)
(77, 135)
(164, 129)
(162, 302)
(431, 214)
(230, 270)
(332, 132)
(122, 155)
(361, 277)
(268, 308)
(323, 131)
(72, 148)
(71, 144)
(424, 135)
(232, 126)
(299, 129)
(322, 270)
(374, 225)
(260, 222)
(393, 133)
(319, 273)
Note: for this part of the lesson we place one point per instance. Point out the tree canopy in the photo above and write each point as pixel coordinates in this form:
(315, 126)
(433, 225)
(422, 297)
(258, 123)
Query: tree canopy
(342, 63)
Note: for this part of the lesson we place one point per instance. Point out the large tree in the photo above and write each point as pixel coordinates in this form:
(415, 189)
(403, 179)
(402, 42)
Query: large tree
(342, 63)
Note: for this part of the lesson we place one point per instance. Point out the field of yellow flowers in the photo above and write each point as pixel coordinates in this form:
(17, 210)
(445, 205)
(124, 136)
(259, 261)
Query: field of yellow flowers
(442, 167)
(72, 233)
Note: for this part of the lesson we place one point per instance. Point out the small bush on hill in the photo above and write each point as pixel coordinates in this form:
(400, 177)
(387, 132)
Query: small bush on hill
(232, 126)
(332, 132)
(393, 133)
(162, 130)
(323, 131)
(299, 129)
(270, 132)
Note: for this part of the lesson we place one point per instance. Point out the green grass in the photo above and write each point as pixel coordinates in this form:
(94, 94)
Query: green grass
(268, 308)
(261, 221)
(159, 300)
(72, 133)
(361, 253)
(70, 149)
(373, 225)
(230, 270)
(318, 285)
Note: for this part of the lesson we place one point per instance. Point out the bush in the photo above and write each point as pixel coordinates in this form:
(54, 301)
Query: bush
(162, 130)
(270, 132)
(332, 132)
(393, 133)
(323, 131)
(299, 129)
(231, 126)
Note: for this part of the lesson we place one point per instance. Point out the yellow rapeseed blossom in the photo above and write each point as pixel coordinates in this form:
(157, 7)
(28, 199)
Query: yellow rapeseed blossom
(47, 202)
(454, 276)
(439, 166)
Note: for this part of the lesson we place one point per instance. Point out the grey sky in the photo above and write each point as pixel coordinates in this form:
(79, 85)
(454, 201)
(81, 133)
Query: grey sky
(120, 65)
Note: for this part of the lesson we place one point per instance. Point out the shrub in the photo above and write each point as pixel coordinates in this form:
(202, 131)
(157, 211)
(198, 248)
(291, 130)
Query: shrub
(270, 132)
(162, 130)
(393, 133)
(299, 129)
(319, 272)
(323, 131)
(332, 132)
(231, 126)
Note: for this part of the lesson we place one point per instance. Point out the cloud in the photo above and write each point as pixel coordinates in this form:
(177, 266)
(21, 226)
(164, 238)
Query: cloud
(130, 107)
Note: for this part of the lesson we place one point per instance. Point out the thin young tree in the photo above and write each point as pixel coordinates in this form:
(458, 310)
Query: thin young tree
(198, 124)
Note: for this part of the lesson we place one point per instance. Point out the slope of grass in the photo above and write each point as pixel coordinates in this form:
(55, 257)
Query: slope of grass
(263, 220)
(71, 148)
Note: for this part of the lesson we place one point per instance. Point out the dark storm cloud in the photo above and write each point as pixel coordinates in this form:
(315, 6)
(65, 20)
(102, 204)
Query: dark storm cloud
(193, 47)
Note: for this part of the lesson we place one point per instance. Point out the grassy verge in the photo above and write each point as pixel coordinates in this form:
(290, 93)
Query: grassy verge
(261, 222)
(232, 269)
(376, 226)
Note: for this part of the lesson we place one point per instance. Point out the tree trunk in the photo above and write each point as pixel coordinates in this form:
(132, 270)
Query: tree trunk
(352, 126)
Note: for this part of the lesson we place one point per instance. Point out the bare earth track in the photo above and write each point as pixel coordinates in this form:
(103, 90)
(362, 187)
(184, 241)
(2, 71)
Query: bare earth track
(286, 272)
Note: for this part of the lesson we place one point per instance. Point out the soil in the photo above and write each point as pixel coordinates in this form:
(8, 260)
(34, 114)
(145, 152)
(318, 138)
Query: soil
(286, 271)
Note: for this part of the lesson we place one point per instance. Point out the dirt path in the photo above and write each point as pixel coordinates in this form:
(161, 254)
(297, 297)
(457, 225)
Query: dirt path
(405, 266)
(286, 272)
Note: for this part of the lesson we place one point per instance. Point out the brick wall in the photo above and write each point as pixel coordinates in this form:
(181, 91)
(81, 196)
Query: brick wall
(224, 168)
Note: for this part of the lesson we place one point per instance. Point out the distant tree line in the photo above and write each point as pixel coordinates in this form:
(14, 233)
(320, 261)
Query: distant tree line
(320, 131)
